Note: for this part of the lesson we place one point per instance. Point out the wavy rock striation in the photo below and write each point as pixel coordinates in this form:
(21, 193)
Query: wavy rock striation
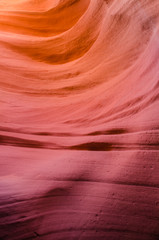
(79, 119)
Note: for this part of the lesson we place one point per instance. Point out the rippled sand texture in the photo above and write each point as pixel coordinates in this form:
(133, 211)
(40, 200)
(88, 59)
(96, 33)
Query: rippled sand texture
(79, 119)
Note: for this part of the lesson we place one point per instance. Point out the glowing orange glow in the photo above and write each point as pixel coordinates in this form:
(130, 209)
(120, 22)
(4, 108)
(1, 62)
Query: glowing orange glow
(79, 119)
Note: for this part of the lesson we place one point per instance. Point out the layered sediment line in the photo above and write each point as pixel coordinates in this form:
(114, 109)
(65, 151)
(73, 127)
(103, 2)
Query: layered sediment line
(79, 119)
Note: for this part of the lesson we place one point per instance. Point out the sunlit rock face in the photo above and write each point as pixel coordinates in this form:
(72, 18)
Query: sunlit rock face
(79, 119)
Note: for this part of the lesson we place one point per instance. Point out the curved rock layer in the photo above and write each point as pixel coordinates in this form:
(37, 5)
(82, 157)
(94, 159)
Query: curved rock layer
(79, 119)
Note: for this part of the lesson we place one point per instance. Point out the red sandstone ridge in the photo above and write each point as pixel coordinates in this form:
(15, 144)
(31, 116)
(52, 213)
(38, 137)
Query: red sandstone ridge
(79, 120)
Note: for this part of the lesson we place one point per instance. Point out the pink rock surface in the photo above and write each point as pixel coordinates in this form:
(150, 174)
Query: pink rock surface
(79, 119)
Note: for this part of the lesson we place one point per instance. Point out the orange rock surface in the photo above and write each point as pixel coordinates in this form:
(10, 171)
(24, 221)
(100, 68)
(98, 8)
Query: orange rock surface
(79, 119)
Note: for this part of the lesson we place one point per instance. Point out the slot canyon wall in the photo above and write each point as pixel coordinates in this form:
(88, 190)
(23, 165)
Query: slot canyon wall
(79, 119)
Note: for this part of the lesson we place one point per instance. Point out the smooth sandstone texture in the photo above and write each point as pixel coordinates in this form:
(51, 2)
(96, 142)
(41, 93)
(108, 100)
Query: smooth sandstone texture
(79, 119)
